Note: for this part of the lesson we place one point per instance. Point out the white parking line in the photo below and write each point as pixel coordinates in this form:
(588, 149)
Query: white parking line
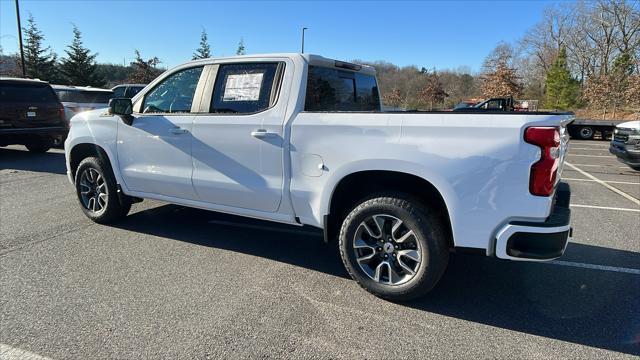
(592, 149)
(606, 166)
(608, 182)
(595, 267)
(8, 352)
(597, 156)
(615, 190)
(604, 207)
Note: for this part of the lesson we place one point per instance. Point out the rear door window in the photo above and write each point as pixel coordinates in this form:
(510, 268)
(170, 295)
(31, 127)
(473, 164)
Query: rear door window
(338, 90)
(246, 88)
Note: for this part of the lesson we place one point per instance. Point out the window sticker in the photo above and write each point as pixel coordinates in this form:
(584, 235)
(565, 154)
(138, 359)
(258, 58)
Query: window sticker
(242, 87)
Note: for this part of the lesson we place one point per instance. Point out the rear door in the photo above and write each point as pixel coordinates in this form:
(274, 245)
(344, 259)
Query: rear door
(29, 105)
(238, 145)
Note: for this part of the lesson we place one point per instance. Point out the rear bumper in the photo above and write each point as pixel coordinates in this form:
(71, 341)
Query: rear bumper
(628, 154)
(538, 241)
(56, 134)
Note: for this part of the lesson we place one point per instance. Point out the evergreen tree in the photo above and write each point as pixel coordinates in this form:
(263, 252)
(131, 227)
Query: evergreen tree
(40, 62)
(143, 71)
(204, 51)
(562, 88)
(241, 50)
(79, 67)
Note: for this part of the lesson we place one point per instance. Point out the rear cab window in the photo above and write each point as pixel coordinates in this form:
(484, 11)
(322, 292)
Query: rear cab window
(332, 89)
(27, 93)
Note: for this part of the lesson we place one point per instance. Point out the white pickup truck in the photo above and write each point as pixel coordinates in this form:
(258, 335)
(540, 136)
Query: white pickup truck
(301, 139)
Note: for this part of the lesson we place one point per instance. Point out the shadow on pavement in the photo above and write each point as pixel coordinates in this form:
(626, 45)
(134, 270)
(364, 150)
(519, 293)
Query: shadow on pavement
(15, 159)
(590, 307)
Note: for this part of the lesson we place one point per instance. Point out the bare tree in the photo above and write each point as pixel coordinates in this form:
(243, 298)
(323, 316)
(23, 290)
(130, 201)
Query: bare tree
(432, 91)
(499, 77)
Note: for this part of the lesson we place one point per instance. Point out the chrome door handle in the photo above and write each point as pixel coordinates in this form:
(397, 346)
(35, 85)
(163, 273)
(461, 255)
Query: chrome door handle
(179, 131)
(261, 133)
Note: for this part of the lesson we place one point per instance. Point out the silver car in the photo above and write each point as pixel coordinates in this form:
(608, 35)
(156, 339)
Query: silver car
(77, 99)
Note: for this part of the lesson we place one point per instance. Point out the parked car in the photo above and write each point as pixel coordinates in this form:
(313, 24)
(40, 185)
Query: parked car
(301, 139)
(30, 114)
(127, 90)
(625, 144)
(498, 104)
(77, 99)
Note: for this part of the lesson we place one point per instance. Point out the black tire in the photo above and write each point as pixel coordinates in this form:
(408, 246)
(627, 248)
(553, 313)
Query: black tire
(429, 237)
(636, 168)
(38, 147)
(586, 132)
(115, 206)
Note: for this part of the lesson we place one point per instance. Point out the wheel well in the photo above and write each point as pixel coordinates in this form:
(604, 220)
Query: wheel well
(83, 151)
(355, 187)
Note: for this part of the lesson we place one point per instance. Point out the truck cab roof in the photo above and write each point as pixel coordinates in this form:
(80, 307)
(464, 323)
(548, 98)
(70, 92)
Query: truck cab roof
(311, 59)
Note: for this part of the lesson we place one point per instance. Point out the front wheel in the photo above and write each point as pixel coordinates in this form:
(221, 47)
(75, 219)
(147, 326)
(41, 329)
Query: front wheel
(98, 193)
(394, 247)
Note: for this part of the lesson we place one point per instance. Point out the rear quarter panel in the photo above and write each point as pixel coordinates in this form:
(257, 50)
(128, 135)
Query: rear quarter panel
(478, 162)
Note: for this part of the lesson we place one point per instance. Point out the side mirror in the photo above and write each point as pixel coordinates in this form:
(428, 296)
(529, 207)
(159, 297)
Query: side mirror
(122, 107)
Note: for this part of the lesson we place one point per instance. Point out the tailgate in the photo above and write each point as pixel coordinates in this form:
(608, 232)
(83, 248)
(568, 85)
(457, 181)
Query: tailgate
(29, 106)
(564, 145)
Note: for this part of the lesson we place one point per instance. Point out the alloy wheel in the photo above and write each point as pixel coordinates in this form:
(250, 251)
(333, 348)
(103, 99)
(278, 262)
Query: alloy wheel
(93, 190)
(387, 250)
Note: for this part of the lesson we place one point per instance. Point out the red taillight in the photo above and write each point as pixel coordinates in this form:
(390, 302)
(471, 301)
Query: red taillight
(61, 112)
(544, 172)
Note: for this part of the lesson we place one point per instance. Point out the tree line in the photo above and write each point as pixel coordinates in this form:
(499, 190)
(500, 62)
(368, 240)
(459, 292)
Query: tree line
(79, 66)
(581, 54)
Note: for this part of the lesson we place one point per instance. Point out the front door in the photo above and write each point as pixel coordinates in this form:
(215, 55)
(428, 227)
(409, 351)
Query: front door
(154, 152)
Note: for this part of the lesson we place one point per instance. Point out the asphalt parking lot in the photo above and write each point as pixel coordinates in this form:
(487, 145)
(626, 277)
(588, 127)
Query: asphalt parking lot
(173, 282)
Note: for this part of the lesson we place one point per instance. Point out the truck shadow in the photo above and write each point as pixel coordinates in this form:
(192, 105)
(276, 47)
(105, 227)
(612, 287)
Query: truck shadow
(18, 159)
(597, 308)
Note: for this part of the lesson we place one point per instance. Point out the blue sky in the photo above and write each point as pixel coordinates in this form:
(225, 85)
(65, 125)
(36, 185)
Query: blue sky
(423, 33)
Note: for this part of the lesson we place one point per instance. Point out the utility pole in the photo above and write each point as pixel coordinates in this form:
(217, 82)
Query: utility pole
(24, 70)
(303, 29)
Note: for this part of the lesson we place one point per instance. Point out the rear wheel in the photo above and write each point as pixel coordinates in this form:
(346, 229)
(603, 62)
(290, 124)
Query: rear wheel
(98, 193)
(586, 133)
(394, 247)
(38, 146)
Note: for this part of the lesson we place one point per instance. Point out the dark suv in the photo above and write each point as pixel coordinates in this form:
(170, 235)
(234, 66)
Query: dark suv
(30, 115)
